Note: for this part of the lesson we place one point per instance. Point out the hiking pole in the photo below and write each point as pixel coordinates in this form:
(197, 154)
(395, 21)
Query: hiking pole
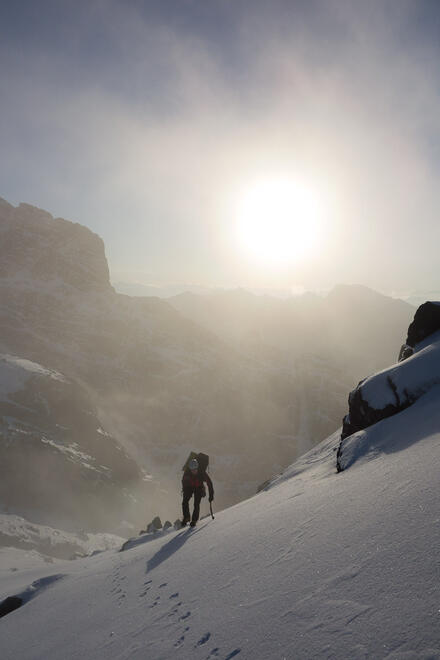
(210, 508)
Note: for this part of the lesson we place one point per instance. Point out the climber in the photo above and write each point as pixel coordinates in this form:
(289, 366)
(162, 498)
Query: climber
(192, 484)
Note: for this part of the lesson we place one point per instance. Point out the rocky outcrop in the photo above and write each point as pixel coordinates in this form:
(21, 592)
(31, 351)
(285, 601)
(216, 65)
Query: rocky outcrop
(363, 414)
(426, 322)
(10, 604)
(405, 352)
(154, 525)
(25, 536)
(398, 387)
(34, 245)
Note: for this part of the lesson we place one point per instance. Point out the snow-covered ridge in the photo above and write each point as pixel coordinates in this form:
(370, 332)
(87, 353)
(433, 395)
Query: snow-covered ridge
(405, 382)
(392, 390)
(48, 542)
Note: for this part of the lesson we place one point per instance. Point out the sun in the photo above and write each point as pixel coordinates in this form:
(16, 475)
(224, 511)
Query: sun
(279, 220)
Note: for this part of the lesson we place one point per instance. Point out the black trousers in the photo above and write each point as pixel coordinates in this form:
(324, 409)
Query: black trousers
(187, 494)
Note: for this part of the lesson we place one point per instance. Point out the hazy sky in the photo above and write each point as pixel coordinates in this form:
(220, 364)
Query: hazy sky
(148, 121)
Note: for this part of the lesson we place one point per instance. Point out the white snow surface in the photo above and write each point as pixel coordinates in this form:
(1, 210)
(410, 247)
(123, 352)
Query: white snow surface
(320, 565)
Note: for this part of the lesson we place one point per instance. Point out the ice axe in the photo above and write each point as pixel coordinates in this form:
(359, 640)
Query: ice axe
(210, 508)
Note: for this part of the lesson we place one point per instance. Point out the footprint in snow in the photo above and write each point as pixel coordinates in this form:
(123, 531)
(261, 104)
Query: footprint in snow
(147, 586)
(214, 653)
(233, 654)
(203, 640)
(182, 638)
(174, 595)
(175, 609)
(161, 586)
(185, 616)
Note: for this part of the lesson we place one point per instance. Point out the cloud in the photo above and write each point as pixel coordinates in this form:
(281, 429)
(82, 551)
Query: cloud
(149, 125)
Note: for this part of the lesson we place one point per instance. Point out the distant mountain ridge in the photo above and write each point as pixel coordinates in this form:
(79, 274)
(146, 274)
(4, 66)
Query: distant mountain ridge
(254, 381)
(396, 388)
(159, 291)
(354, 327)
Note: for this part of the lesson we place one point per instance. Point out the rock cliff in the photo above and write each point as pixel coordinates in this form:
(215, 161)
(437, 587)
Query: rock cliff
(37, 246)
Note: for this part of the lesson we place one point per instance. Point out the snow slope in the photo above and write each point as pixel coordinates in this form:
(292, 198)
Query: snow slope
(320, 565)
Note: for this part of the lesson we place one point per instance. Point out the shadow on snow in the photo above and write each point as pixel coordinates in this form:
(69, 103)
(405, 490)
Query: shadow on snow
(170, 548)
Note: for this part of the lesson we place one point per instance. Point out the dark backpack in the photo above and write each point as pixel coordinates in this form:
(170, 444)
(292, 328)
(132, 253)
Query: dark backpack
(203, 460)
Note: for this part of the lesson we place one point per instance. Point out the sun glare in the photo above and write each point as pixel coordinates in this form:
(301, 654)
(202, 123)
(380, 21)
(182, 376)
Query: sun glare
(279, 220)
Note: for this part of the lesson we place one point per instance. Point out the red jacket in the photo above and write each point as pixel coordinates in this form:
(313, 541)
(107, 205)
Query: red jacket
(190, 482)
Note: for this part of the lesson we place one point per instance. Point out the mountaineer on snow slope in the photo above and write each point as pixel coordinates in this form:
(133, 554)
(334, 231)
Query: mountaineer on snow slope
(193, 480)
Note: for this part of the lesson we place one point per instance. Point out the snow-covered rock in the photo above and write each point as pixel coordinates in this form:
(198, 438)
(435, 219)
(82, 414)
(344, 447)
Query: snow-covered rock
(393, 390)
(33, 543)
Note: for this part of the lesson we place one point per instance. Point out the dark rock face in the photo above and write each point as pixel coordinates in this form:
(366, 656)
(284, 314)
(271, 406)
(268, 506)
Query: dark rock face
(36, 245)
(154, 525)
(10, 604)
(426, 322)
(405, 352)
